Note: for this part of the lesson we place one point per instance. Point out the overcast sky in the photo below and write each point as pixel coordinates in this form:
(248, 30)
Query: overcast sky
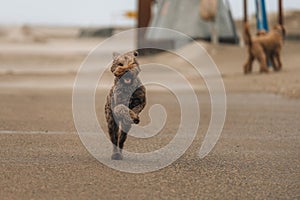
(93, 12)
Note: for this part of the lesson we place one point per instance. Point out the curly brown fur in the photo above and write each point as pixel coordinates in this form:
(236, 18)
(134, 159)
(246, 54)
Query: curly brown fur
(126, 99)
(263, 47)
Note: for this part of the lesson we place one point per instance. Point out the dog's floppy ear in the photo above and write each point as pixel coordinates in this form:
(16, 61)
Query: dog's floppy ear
(115, 55)
(113, 68)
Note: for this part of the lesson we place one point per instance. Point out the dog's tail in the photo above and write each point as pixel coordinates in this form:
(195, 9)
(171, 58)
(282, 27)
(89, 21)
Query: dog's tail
(247, 35)
(283, 30)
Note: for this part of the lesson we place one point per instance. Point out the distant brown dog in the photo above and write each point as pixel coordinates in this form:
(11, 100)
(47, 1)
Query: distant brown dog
(127, 98)
(263, 47)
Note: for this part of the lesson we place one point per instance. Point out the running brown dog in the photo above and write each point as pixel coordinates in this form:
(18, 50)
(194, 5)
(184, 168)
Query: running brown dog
(127, 98)
(263, 47)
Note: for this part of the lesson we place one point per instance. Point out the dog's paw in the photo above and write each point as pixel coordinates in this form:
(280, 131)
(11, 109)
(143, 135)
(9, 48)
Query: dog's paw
(264, 70)
(135, 118)
(117, 156)
(136, 121)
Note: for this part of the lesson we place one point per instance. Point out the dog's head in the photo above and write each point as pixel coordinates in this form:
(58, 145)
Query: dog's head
(280, 29)
(261, 32)
(125, 67)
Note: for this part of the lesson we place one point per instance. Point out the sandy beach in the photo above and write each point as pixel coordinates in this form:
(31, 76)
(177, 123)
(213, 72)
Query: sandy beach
(42, 157)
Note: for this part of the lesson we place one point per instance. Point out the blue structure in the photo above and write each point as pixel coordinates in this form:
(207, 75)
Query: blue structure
(261, 15)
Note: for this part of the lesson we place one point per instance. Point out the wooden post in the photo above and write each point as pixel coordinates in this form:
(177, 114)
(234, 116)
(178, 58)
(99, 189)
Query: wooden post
(280, 14)
(214, 26)
(245, 11)
(214, 32)
(144, 15)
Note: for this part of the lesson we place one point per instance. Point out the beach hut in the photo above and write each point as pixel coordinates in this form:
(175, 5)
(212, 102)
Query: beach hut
(186, 17)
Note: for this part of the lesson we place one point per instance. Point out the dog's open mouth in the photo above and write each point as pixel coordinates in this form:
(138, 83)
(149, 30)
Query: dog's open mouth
(127, 79)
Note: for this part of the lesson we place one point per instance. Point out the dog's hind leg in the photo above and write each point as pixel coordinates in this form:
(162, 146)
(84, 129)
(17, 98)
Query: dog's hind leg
(113, 130)
(124, 130)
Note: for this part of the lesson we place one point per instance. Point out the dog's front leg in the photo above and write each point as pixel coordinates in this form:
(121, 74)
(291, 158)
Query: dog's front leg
(248, 64)
(139, 108)
(125, 115)
(138, 100)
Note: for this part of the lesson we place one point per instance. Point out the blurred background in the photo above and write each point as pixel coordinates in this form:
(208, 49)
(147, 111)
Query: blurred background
(96, 13)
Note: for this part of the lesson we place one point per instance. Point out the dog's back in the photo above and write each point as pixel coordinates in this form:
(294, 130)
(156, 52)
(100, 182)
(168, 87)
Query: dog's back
(272, 40)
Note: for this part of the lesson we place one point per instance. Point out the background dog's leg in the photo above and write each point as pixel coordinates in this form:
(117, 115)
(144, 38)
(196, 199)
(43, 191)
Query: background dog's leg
(248, 64)
(278, 58)
(273, 61)
(262, 59)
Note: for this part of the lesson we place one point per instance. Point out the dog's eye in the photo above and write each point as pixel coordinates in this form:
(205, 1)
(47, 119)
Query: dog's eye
(120, 64)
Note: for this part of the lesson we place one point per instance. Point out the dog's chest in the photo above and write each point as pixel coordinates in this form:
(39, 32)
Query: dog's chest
(124, 96)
